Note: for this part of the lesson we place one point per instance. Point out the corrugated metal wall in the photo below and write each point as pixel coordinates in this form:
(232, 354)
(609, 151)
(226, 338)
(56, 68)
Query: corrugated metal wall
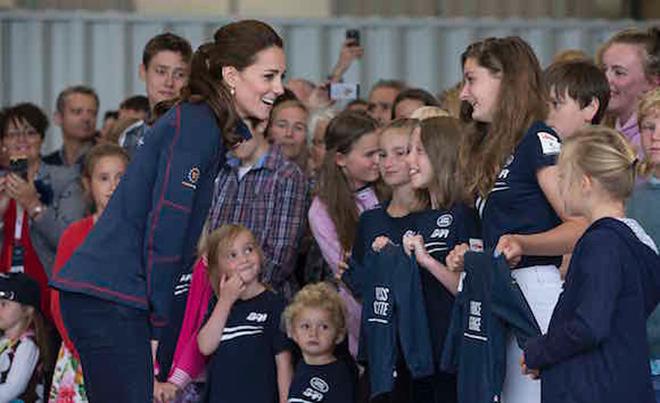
(43, 52)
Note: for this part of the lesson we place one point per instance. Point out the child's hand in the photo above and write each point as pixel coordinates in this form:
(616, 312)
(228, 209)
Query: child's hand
(165, 392)
(455, 259)
(415, 244)
(231, 288)
(511, 247)
(342, 265)
(532, 373)
(379, 243)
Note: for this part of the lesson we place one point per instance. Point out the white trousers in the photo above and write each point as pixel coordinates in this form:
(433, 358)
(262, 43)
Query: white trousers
(541, 286)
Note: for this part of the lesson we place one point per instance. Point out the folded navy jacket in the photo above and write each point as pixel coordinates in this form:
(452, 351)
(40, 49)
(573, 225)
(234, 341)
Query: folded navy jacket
(489, 304)
(393, 310)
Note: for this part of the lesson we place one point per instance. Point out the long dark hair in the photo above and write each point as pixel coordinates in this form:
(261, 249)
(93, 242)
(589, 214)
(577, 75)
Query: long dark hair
(334, 188)
(521, 101)
(235, 44)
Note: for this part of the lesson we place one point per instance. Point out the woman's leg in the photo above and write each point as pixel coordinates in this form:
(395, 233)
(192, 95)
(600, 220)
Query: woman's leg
(113, 343)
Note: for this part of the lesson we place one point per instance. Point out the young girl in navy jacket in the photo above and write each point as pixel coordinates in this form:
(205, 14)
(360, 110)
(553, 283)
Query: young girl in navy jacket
(596, 346)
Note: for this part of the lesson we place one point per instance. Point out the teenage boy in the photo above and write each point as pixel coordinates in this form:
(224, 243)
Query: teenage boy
(579, 94)
(165, 69)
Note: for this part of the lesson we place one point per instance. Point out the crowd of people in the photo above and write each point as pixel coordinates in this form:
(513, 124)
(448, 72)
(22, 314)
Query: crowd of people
(232, 237)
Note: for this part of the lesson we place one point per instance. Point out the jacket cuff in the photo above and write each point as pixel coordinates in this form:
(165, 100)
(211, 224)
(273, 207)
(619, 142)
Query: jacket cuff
(179, 378)
(534, 353)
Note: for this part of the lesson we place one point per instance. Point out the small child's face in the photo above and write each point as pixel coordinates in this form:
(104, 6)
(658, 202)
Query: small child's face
(565, 114)
(242, 258)
(12, 314)
(650, 131)
(314, 332)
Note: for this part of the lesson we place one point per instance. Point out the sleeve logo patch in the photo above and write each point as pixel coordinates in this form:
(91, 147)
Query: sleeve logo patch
(550, 145)
(191, 178)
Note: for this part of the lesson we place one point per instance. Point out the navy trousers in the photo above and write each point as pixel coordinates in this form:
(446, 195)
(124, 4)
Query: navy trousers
(113, 343)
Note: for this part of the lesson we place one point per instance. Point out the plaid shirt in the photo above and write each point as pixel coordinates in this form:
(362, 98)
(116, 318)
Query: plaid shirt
(270, 200)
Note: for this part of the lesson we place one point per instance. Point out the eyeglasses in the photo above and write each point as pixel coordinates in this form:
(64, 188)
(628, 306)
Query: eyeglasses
(29, 133)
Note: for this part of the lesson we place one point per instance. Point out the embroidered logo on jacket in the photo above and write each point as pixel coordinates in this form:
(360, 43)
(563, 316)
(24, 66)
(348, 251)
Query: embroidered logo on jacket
(191, 178)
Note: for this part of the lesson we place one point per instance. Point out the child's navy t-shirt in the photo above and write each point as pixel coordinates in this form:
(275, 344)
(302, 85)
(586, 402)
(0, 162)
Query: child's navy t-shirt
(242, 369)
(516, 204)
(329, 383)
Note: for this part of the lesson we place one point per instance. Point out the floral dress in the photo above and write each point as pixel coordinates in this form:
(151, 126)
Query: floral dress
(68, 385)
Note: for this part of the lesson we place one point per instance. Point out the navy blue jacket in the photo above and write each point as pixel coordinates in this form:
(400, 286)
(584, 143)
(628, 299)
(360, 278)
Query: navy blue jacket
(596, 348)
(393, 310)
(148, 233)
(488, 304)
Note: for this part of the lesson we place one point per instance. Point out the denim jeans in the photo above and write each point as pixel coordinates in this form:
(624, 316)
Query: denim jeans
(113, 343)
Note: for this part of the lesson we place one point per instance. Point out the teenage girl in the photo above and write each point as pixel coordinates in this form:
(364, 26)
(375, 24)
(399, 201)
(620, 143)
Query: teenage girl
(509, 161)
(345, 190)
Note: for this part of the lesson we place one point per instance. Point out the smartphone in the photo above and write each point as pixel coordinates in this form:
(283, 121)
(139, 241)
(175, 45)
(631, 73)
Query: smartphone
(353, 35)
(19, 166)
(343, 91)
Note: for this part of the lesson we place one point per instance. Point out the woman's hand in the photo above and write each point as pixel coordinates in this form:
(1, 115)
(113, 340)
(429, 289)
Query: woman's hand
(455, 260)
(22, 191)
(512, 249)
(379, 243)
(230, 288)
(4, 197)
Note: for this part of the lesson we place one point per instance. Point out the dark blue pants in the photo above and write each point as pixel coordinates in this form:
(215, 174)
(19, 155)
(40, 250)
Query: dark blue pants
(113, 343)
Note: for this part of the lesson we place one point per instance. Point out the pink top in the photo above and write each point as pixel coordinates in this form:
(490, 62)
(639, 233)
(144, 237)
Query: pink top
(630, 129)
(189, 362)
(325, 234)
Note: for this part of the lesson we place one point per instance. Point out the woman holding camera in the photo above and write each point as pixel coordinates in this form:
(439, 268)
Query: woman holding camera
(37, 201)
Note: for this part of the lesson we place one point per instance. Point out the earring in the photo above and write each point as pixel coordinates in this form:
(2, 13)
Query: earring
(232, 91)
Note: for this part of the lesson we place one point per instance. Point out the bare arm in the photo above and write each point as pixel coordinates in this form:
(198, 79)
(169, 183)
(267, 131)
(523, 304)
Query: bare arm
(449, 279)
(556, 241)
(284, 374)
(210, 334)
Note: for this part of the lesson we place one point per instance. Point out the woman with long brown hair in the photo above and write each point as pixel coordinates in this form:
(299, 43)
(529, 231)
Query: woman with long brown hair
(146, 238)
(509, 163)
